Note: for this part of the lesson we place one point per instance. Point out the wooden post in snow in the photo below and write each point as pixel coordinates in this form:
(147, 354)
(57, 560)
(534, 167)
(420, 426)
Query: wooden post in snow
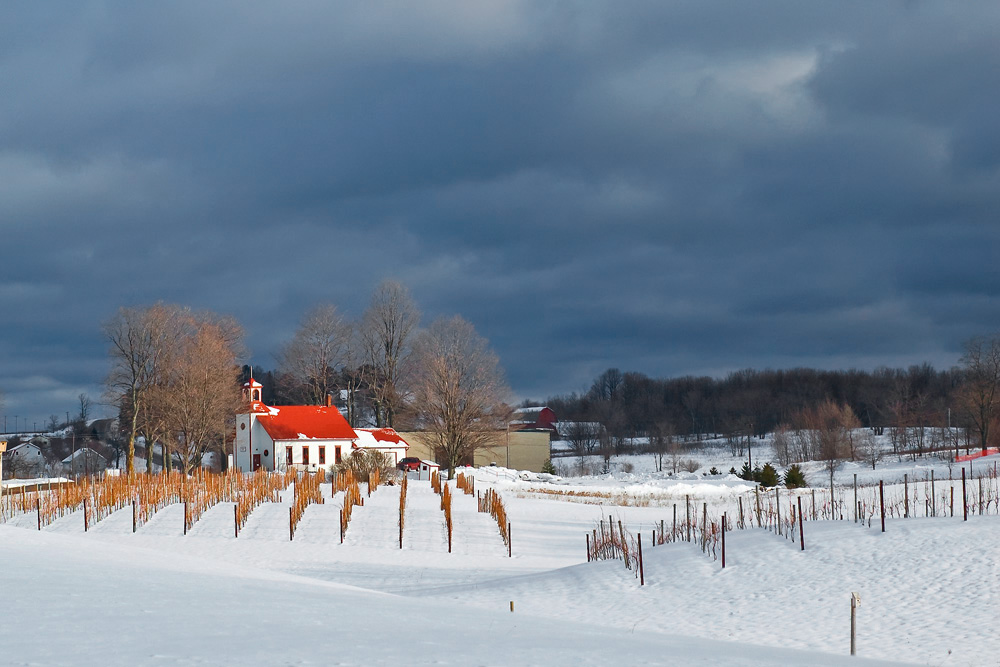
(588, 546)
(642, 576)
(856, 517)
(185, 517)
(965, 506)
(291, 527)
(881, 502)
(855, 603)
(933, 499)
(38, 509)
(802, 537)
(906, 495)
(723, 540)
(509, 552)
(236, 520)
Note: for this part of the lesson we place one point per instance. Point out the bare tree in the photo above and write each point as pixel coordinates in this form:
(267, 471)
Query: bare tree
(981, 381)
(661, 438)
(386, 328)
(869, 448)
(139, 338)
(584, 437)
(316, 353)
(84, 409)
(460, 391)
(199, 391)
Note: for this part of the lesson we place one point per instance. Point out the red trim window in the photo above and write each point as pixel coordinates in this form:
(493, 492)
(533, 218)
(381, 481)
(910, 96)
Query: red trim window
(322, 456)
(288, 456)
(305, 455)
(336, 454)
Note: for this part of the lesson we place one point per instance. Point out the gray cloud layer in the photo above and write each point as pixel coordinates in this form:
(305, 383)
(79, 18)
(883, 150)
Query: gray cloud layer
(669, 187)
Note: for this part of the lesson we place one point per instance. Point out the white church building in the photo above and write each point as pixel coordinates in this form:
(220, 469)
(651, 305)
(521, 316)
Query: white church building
(306, 437)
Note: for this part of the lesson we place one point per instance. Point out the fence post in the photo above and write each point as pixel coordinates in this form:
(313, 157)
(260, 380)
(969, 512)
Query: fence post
(965, 506)
(588, 546)
(291, 530)
(509, 554)
(642, 576)
(723, 541)
(341, 526)
(236, 520)
(855, 601)
(855, 498)
(185, 517)
(906, 496)
(38, 509)
(881, 502)
(933, 499)
(802, 536)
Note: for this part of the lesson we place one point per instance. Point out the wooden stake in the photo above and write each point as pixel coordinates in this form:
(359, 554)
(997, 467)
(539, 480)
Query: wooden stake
(38, 509)
(509, 553)
(965, 506)
(291, 527)
(588, 546)
(236, 520)
(802, 536)
(881, 502)
(134, 513)
(723, 541)
(906, 496)
(933, 499)
(642, 576)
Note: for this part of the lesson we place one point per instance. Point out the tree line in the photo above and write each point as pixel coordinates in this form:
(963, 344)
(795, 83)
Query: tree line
(756, 402)
(176, 376)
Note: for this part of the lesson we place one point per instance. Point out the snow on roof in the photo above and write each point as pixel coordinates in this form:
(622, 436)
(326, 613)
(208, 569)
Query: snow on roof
(78, 453)
(532, 410)
(23, 444)
(252, 384)
(306, 422)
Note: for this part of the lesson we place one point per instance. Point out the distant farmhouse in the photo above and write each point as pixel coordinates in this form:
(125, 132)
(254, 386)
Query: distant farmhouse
(305, 437)
(536, 418)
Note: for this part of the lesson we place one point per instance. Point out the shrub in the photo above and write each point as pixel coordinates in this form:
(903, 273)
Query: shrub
(714, 471)
(547, 467)
(794, 477)
(732, 471)
(747, 474)
(363, 462)
(688, 465)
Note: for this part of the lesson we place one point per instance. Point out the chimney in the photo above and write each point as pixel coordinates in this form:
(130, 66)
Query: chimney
(329, 401)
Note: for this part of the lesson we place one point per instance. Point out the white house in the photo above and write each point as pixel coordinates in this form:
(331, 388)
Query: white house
(308, 437)
(25, 460)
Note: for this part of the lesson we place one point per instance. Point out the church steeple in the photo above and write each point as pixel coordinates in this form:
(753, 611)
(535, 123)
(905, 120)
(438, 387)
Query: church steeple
(251, 391)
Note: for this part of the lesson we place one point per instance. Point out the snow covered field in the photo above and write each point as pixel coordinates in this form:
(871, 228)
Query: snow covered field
(929, 588)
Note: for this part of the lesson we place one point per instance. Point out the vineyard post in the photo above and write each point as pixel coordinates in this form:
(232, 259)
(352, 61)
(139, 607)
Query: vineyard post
(673, 531)
(291, 527)
(642, 576)
(814, 503)
(855, 603)
(802, 537)
(881, 502)
(742, 523)
(952, 502)
(777, 505)
(185, 517)
(756, 494)
(933, 499)
(906, 495)
(965, 506)
(704, 527)
(687, 502)
(236, 520)
(86, 523)
(588, 546)
(723, 542)
(341, 526)
(38, 509)
(509, 554)
(134, 511)
(855, 498)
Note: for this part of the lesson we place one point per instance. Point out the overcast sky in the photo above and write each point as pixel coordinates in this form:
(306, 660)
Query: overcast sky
(669, 187)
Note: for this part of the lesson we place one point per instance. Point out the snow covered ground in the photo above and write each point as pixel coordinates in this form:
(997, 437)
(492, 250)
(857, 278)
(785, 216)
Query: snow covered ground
(929, 588)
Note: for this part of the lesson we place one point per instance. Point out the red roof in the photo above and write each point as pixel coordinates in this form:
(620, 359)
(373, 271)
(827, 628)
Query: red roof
(385, 434)
(295, 422)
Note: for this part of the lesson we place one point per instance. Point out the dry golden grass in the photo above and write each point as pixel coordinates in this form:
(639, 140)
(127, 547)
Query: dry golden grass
(492, 503)
(307, 492)
(466, 484)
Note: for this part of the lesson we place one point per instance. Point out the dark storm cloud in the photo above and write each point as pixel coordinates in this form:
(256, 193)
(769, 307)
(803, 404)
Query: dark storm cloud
(667, 187)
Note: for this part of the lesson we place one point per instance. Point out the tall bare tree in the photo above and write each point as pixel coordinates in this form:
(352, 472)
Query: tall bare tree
(139, 338)
(980, 383)
(199, 393)
(460, 391)
(386, 329)
(316, 353)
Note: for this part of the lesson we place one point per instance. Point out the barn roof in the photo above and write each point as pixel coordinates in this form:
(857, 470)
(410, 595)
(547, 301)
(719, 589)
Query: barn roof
(306, 422)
